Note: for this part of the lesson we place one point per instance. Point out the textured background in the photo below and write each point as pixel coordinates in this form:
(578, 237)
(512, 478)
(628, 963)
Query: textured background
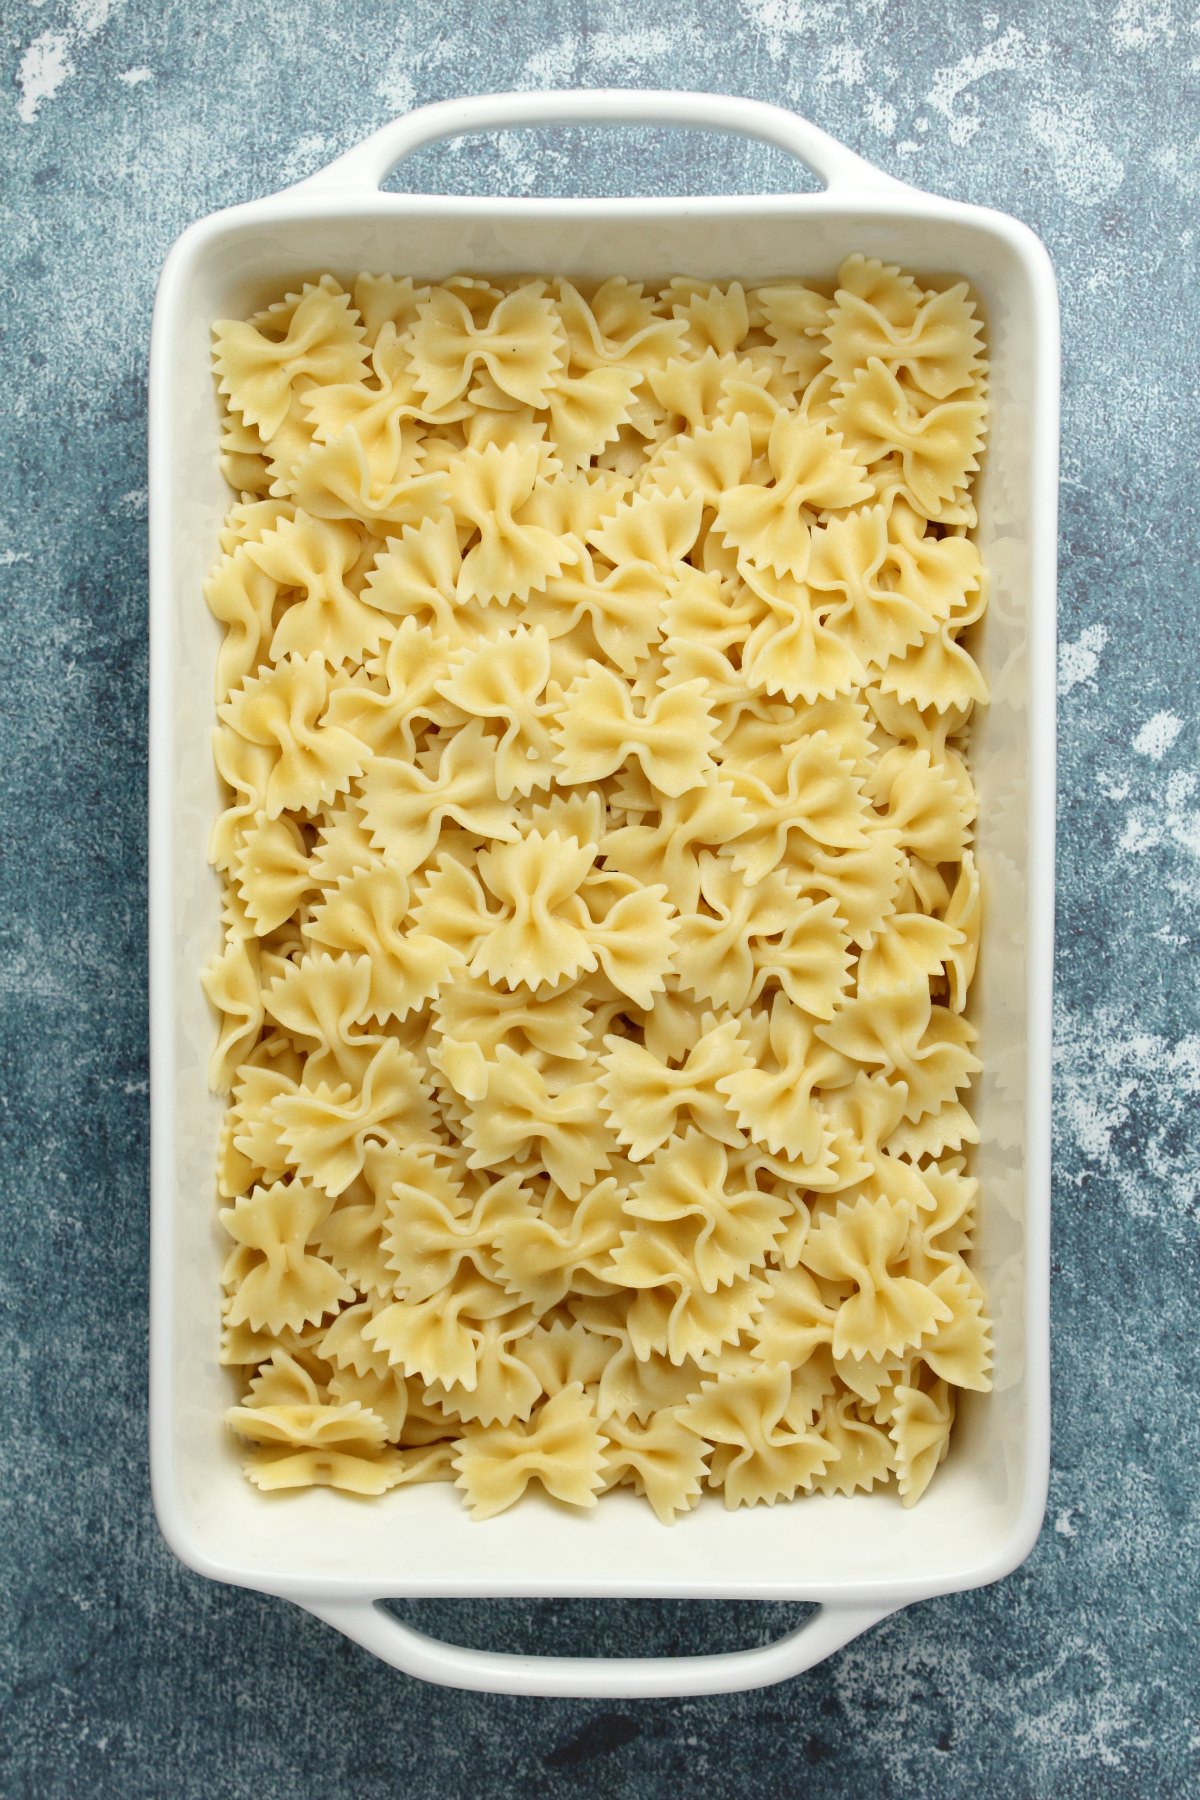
(121, 123)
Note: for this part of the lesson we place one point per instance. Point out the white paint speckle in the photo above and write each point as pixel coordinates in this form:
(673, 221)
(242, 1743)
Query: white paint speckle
(1140, 24)
(882, 115)
(135, 77)
(1157, 735)
(558, 64)
(1062, 1523)
(1079, 661)
(41, 72)
(307, 155)
(46, 63)
(9, 557)
(1180, 166)
(1084, 169)
(1140, 834)
(1108, 1079)
(396, 88)
(779, 21)
(845, 66)
(135, 502)
(954, 83)
(626, 49)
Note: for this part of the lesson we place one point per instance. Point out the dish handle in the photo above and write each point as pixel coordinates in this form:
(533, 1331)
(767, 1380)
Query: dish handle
(593, 1677)
(366, 166)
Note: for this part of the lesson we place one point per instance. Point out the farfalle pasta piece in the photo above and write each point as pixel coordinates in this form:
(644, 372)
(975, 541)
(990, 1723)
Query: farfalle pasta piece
(865, 1453)
(260, 364)
(586, 411)
(439, 1338)
(620, 607)
(338, 481)
(561, 1447)
(938, 1065)
(311, 558)
(417, 575)
(341, 1447)
(694, 1221)
(935, 344)
(714, 315)
(505, 679)
(434, 1227)
(909, 949)
(964, 915)
(286, 1285)
(538, 933)
(664, 837)
(807, 789)
(632, 1387)
(940, 673)
(758, 1456)
(693, 390)
(679, 1320)
(702, 465)
(672, 737)
(886, 1313)
(284, 709)
(646, 1097)
(919, 1427)
(320, 1000)
(386, 300)
(749, 936)
(661, 1459)
(882, 585)
(242, 597)
(232, 983)
(473, 1019)
(617, 323)
(790, 650)
(632, 933)
(771, 1091)
(273, 871)
(795, 317)
(656, 528)
(519, 343)
(811, 471)
(796, 1320)
(326, 1129)
(960, 1350)
(540, 1261)
(367, 914)
(386, 412)
(404, 807)
(938, 448)
(505, 1389)
(513, 554)
(553, 1124)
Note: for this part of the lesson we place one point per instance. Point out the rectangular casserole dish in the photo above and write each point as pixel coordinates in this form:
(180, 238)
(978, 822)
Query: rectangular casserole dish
(859, 1557)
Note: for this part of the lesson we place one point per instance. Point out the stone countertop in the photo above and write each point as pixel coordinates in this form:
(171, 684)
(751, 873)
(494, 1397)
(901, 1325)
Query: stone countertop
(124, 120)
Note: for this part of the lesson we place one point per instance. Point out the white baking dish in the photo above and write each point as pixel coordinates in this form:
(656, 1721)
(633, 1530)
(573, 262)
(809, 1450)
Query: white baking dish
(861, 1557)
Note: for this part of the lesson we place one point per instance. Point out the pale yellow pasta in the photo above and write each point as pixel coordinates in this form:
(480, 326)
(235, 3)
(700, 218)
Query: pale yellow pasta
(600, 903)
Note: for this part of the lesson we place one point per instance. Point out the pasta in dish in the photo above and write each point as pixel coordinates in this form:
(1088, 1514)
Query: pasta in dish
(600, 904)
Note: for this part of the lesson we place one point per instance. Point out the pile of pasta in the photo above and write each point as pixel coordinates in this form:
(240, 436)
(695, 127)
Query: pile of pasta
(599, 897)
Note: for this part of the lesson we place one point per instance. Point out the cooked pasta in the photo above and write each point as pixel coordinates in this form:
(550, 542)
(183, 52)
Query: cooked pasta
(600, 902)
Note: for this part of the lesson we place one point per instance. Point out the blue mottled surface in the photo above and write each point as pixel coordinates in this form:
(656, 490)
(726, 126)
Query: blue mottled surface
(121, 123)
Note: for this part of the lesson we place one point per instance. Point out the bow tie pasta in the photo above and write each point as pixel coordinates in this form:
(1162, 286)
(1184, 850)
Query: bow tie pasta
(599, 897)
